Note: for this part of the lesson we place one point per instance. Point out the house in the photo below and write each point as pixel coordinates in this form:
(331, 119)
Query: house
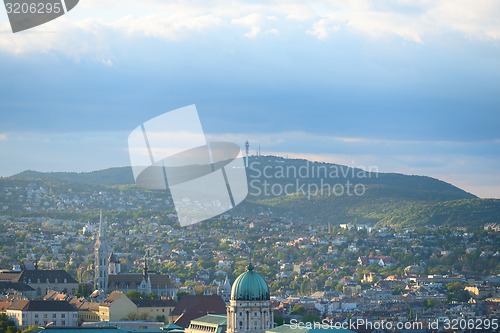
(87, 311)
(154, 309)
(117, 306)
(43, 281)
(8, 287)
(382, 261)
(41, 313)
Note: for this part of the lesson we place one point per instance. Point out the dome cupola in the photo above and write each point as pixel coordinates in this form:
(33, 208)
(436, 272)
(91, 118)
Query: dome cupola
(250, 286)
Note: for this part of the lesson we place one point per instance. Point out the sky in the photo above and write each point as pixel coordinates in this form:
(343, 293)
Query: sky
(405, 86)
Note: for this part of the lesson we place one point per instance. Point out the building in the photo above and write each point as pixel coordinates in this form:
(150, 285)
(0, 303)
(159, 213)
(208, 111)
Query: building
(88, 312)
(210, 323)
(36, 283)
(7, 287)
(224, 290)
(145, 283)
(117, 306)
(108, 275)
(250, 308)
(480, 292)
(114, 266)
(102, 253)
(191, 307)
(41, 313)
(154, 309)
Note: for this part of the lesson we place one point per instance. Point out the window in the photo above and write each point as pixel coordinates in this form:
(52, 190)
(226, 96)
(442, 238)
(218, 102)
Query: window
(54, 315)
(36, 315)
(44, 315)
(63, 315)
(63, 322)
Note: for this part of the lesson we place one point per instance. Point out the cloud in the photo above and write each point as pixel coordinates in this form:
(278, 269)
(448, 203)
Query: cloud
(98, 26)
(254, 31)
(410, 20)
(322, 29)
(253, 19)
(3, 136)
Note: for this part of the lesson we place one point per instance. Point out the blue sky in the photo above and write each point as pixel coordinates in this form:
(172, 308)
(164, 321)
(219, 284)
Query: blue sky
(406, 86)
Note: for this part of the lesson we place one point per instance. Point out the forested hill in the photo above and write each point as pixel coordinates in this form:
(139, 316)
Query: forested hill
(322, 193)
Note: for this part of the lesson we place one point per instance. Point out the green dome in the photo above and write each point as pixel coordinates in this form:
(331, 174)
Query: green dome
(250, 286)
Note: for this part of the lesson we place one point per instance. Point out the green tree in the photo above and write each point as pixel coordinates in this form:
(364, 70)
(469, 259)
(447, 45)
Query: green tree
(298, 310)
(134, 294)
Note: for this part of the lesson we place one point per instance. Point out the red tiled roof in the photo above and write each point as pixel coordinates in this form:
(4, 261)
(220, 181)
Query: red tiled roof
(191, 307)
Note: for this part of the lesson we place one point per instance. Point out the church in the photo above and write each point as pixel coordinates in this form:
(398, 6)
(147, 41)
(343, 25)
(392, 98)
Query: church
(249, 309)
(108, 275)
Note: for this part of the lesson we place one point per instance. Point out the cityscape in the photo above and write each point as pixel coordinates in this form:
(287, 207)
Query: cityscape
(116, 254)
(272, 166)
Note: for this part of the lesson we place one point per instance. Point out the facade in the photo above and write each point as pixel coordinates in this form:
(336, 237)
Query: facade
(153, 309)
(114, 266)
(41, 313)
(87, 312)
(36, 283)
(250, 307)
(145, 283)
(108, 275)
(117, 306)
(224, 290)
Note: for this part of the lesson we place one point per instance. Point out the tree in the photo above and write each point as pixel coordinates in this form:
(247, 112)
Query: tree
(298, 310)
(311, 318)
(134, 294)
(7, 325)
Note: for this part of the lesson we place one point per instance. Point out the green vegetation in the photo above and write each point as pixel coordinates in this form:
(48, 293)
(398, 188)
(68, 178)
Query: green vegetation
(7, 325)
(387, 199)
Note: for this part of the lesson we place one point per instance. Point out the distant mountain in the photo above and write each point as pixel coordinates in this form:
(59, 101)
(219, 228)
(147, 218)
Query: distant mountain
(111, 176)
(325, 192)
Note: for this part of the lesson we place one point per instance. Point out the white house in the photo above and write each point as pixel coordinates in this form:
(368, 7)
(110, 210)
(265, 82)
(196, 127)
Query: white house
(41, 313)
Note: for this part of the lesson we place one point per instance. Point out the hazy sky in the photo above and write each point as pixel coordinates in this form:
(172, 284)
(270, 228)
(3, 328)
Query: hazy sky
(407, 86)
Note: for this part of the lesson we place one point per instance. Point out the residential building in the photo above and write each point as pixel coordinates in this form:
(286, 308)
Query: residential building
(117, 306)
(41, 313)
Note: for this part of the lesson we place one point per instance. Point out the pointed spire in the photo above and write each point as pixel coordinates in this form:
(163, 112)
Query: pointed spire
(145, 271)
(100, 224)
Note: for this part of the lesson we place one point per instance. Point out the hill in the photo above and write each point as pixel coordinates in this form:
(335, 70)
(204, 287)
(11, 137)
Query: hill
(111, 176)
(318, 192)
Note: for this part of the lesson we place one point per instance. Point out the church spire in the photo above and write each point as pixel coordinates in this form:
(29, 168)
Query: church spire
(145, 270)
(101, 250)
(100, 234)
